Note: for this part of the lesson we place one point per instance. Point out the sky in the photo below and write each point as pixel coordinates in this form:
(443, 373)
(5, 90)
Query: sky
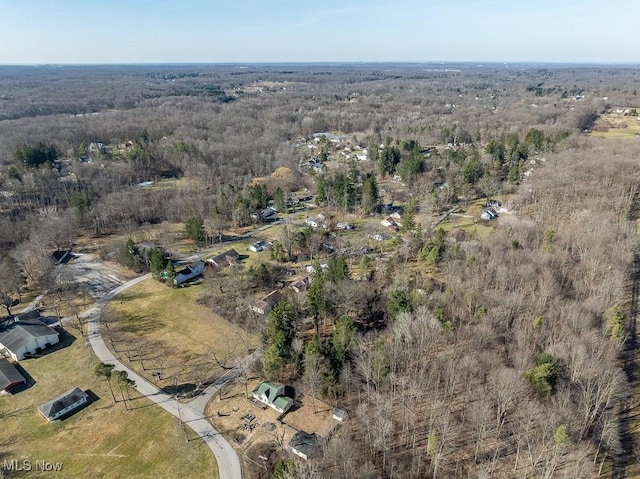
(276, 31)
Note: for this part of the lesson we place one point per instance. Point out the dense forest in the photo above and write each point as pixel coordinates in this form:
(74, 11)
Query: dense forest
(510, 354)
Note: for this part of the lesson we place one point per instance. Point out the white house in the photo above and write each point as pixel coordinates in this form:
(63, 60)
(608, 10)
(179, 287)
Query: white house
(273, 395)
(63, 404)
(22, 337)
(257, 246)
(192, 271)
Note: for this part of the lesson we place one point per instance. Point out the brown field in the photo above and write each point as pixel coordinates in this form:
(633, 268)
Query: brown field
(173, 334)
(617, 126)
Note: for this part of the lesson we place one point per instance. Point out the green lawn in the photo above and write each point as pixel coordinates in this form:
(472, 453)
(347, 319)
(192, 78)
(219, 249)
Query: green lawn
(101, 441)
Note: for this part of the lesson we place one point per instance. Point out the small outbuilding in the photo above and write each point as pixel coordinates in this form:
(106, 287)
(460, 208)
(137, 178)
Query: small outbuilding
(340, 414)
(64, 404)
(303, 444)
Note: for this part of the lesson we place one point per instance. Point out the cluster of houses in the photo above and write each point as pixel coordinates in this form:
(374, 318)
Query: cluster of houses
(24, 336)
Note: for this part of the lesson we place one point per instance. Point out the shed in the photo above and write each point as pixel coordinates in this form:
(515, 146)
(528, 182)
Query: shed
(340, 414)
(303, 444)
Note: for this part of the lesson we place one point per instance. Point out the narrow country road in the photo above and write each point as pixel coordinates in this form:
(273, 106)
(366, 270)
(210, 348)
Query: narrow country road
(191, 416)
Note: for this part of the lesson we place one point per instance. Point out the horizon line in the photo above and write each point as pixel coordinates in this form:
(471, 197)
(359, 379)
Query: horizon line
(329, 62)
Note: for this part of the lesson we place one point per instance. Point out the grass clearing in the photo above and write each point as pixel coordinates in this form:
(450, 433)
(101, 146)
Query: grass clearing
(102, 440)
(179, 335)
(615, 125)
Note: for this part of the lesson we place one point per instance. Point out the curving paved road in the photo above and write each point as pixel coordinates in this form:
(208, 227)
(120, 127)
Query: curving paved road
(192, 414)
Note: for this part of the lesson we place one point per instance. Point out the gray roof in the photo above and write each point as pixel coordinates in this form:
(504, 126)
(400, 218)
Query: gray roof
(18, 333)
(9, 375)
(304, 442)
(53, 407)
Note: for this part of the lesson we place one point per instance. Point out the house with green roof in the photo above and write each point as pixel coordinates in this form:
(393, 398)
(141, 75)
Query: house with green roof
(273, 395)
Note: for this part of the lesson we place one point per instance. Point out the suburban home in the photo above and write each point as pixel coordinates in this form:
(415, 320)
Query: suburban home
(265, 305)
(257, 246)
(192, 271)
(268, 212)
(273, 395)
(340, 414)
(303, 444)
(224, 259)
(456, 235)
(10, 377)
(489, 214)
(301, 285)
(63, 404)
(25, 335)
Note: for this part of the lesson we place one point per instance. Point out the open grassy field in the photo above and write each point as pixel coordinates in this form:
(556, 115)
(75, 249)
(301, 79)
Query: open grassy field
(180, 335)
(101, 441)
(616, 125)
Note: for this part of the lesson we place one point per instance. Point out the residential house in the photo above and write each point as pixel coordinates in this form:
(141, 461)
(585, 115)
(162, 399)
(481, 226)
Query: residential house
(192, 271)
(10, 377)
(24, 335)
(273, 395)
(301, 285)
(63, 404)
(268, 212)
(265, 305)
(303, 444)
(489, 214)
(224, 259)
(257, 246)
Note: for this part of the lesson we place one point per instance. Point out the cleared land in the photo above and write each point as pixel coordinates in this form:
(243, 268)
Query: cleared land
(163, 330)
(101, 441)
(617, 125)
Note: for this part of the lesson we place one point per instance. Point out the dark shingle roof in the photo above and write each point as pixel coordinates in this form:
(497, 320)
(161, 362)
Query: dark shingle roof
(9, 375)
(53, 407)
(304, 442)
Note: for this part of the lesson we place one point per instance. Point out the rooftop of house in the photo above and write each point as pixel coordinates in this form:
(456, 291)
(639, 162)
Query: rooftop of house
(52, 408)
(9, 375)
